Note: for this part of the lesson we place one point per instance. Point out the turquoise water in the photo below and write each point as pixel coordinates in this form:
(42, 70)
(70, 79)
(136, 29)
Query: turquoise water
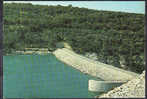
(42, 76)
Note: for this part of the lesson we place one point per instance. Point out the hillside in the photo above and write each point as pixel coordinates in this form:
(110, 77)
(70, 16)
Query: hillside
(114, 36)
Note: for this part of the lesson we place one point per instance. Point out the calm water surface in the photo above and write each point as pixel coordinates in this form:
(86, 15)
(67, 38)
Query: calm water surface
(42, 76)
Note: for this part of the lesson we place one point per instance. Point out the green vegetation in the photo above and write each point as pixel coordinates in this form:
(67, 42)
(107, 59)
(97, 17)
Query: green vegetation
(114, 36)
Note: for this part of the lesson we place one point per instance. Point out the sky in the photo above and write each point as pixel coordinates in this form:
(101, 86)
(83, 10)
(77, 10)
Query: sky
(121, 6)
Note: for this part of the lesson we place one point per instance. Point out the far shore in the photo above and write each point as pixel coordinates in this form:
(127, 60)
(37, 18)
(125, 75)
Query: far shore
(29, 51)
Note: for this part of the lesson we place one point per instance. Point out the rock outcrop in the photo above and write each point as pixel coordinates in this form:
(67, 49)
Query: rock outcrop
(134, 88)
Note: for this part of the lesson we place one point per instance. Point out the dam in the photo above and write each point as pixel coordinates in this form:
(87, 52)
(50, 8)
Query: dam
(93, 68)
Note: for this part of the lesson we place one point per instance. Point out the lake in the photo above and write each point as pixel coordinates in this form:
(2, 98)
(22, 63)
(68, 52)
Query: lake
(42, 76)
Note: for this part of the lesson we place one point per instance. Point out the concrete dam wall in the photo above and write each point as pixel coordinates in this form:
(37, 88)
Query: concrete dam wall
(93, 68)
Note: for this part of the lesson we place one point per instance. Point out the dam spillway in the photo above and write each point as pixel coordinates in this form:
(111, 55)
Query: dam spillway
(93, 68)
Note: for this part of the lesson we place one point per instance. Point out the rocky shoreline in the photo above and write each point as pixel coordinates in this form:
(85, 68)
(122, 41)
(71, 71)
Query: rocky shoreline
(134, 88)
(30, 51)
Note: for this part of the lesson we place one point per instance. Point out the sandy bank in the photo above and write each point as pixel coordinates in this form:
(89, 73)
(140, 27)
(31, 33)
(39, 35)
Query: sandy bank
(93, 68)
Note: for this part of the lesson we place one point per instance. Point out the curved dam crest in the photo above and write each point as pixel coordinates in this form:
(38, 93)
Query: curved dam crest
(93, 68)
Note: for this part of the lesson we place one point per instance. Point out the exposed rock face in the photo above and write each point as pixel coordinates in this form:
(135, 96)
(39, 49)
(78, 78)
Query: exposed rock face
(132, 89)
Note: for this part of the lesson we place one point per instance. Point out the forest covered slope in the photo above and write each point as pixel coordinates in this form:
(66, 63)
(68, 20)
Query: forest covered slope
(114, 36)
